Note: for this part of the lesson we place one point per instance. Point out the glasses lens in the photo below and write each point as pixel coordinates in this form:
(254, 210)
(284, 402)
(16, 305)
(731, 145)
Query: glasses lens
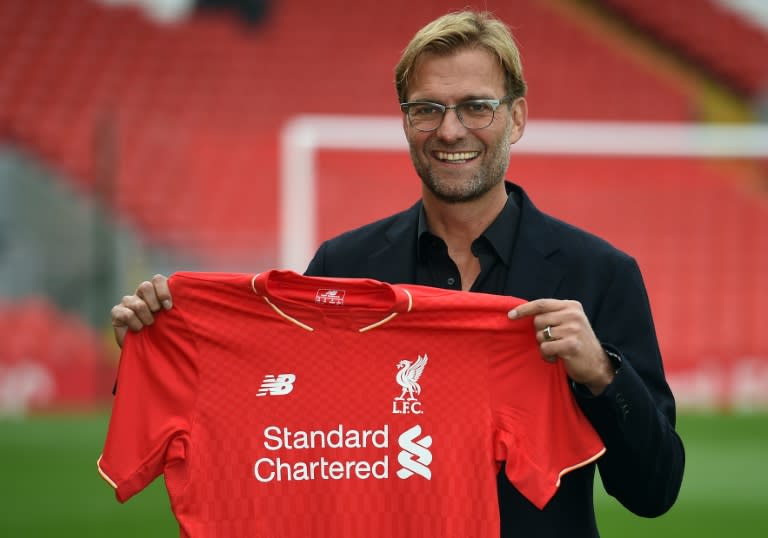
(475, 114)
(425, 116)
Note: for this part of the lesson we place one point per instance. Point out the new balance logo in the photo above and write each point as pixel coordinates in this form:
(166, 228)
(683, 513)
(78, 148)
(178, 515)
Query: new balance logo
(414, 456)
(335, 297)
(276, 385)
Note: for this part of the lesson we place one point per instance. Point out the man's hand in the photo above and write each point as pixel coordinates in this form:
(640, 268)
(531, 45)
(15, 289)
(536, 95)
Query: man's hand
(563, 330)
(136, 311)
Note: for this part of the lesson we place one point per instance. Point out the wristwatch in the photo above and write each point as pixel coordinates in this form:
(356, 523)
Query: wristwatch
(615, 359)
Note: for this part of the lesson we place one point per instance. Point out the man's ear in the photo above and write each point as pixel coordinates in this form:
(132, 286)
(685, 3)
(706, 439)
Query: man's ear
(519, 113)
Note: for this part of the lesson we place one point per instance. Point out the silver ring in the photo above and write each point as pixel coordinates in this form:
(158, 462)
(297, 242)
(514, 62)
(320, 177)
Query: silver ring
(548, 333)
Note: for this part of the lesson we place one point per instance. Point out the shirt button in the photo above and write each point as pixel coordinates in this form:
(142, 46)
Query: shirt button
(451, 281)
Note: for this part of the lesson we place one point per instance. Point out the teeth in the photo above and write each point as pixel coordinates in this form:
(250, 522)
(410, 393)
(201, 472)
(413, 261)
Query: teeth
(461, 156)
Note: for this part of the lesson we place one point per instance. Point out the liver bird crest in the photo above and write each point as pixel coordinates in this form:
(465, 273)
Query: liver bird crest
(408, 376)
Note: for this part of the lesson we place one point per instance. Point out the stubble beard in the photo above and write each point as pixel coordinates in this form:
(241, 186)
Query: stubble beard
(452, 191)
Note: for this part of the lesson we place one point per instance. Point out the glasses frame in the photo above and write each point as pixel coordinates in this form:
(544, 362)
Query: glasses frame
(494, 104)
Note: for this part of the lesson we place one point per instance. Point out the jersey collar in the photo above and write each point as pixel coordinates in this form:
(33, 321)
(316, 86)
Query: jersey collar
(279, 287)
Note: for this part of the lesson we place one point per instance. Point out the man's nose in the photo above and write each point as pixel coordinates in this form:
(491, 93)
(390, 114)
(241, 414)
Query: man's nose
(451, 127)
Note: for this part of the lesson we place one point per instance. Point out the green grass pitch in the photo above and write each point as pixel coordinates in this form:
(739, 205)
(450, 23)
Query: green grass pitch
(49, 486)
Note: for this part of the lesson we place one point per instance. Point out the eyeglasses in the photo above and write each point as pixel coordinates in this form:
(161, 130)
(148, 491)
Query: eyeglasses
(473, 114)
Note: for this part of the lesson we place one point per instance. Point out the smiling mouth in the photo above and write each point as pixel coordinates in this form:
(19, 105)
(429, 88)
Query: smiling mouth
(457, 157)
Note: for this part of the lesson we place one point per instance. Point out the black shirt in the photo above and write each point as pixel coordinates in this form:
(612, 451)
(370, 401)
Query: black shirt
(494, 249)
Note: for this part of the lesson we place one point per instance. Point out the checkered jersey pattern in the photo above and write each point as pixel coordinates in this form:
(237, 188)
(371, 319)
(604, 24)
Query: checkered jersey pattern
(288, 406)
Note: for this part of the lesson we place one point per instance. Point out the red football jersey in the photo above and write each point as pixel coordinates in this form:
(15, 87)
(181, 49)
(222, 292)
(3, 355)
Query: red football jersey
(288, 406)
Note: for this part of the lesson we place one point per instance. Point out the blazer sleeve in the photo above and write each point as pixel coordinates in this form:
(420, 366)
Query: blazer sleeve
(635, 415)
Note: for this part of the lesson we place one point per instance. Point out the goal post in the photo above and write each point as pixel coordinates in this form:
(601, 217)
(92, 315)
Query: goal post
(303, 136)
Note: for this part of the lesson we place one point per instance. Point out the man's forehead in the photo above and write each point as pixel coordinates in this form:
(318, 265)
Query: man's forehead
(464, 74)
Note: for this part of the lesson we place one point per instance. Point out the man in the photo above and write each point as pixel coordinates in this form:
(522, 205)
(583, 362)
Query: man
(462, 94)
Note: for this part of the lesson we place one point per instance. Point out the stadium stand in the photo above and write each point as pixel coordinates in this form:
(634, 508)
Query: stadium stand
(48, 359)
(720, 41)
(195, 107)
(175, 129)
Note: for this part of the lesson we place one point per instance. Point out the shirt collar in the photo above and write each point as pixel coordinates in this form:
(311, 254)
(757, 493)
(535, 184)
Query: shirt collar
(501, 233)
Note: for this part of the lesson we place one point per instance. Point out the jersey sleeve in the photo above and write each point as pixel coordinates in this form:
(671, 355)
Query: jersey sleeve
(149, 429)
(540, 432)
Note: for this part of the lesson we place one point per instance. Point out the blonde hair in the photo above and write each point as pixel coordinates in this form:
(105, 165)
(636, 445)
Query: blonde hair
(460, 30)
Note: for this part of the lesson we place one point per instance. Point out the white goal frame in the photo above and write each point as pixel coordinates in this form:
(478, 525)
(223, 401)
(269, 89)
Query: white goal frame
(303, 136)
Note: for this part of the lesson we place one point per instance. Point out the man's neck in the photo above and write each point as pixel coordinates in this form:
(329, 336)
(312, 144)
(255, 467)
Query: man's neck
(459, 224)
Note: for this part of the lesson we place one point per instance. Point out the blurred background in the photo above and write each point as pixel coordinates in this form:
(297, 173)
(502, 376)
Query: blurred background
(150, 136)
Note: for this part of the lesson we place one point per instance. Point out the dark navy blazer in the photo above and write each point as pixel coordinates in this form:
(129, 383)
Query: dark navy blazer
(635, 415)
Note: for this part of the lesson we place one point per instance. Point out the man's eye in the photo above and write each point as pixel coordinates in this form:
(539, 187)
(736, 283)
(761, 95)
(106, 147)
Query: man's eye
(477, 107)
(424, 110)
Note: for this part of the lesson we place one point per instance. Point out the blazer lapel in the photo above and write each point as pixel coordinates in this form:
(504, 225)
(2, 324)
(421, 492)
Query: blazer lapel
(395, 261)
(533, 273)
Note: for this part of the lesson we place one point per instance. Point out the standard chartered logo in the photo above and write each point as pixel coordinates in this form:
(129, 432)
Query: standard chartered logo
(414, 456)
(335, 448)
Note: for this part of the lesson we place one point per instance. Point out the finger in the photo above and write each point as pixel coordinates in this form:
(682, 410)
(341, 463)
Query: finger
(160, 282)
(551, 319)
(535, 308)
(146, 292)
(546, 334)
(548, 353)
(137, 311)
(123, 316)
(120, 333)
